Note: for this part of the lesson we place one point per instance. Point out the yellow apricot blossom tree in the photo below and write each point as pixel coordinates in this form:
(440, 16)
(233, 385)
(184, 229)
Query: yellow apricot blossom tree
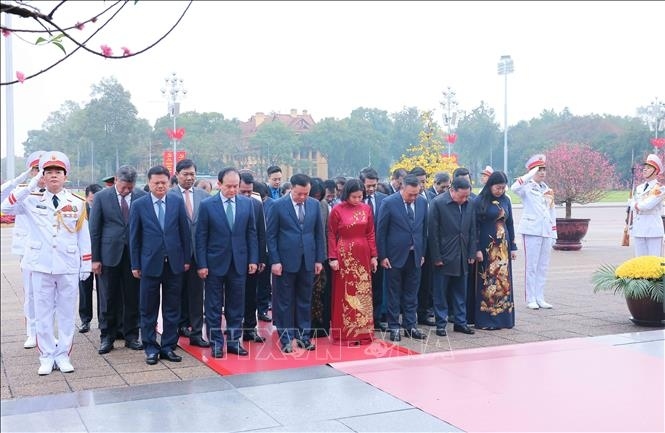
(429, 152)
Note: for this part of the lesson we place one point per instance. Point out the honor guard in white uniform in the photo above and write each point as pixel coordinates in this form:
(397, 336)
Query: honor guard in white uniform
(538, 228)
(19, 241)
(57, 254)
(647, 208)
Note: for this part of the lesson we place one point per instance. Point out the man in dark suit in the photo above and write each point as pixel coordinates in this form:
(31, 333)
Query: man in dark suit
(401, 241)
(452, 247)
(109, 236)
(160, 243)
(191, 303)
(370, 178)
(396, 179)
(249, 324)
(227, 250)
(296, 250)
(86, 286)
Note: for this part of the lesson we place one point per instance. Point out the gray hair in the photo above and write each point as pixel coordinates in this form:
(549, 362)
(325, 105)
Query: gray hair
(126, 173)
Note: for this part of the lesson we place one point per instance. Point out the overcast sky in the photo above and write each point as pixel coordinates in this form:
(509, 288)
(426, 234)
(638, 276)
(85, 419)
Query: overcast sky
(329, 58)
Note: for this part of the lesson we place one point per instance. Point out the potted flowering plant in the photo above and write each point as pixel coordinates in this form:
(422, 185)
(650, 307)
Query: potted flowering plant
(641, 281)
(577, 174)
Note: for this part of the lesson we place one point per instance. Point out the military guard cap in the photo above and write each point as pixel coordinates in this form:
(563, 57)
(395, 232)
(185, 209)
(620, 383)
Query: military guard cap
(655, 162)
(33, 159)
(109, 180)
(536, 161)
(54, 159)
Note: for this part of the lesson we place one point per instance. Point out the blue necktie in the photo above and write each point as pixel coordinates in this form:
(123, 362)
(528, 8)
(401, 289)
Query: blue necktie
(409, 212)
(301, 214)
(160, 213)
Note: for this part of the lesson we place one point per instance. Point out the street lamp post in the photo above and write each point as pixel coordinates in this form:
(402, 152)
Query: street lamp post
(450, 112)
(655, 117)
(505, 67)
(174, 91)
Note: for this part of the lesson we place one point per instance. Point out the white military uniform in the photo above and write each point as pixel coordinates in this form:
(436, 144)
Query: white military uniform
(647, 208)
(538, 229)
(58, 254)
(20, 235)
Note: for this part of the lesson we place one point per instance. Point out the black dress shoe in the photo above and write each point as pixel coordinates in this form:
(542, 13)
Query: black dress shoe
(184, 331)
(306, 344)
(151, 359)
(85, 327)
(253, 336)
(198, 342)
(415, 333)
(265, 318)
(217, 353)
(395, 335)
(134, 344)
(105, 347)
(464, 329)
(382, 326)
(428, 321)
(237, 349)
(441, 332)
(287, 348)
(171, 356)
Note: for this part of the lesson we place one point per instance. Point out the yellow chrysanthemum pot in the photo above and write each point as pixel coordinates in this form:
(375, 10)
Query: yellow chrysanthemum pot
(641, 280)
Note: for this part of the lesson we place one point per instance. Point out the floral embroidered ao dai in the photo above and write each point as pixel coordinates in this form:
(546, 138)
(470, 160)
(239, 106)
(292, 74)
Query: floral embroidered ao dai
(494, 291)
(351, 241)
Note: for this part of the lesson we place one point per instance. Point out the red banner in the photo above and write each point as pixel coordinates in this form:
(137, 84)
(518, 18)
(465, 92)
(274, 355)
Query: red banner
(168, 159)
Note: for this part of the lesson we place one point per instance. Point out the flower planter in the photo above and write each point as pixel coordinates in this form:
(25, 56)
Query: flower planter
(646, 312)
(570, 232)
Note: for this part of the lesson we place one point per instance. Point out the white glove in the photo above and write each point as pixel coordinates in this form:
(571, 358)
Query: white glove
(531, 173)
(84, 276)
(35, 181)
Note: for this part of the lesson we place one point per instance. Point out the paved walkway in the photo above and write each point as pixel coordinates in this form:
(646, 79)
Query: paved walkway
(123, 376)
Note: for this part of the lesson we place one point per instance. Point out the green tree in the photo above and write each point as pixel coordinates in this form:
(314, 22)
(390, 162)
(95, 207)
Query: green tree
(478, 139)
(275, 143)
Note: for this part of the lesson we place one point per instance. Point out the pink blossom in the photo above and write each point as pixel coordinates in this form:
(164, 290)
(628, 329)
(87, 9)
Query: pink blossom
(20, 76)
(126, 51)
(106, 51)
(6, 32)
(79, 26)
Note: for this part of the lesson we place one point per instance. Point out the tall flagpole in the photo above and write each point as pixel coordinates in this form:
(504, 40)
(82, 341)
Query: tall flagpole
(9, 102)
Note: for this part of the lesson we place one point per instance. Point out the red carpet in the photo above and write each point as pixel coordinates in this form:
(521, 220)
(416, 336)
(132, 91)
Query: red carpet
(564, 385)
(267, 356)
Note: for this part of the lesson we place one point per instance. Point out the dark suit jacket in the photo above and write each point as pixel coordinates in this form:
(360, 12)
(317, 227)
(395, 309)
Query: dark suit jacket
(452, 239)
(198, 196)
(149, 244)
(378, 200)
(109, 234)
(288, 242)
(395, 233)
(217, 244)
(260, 220)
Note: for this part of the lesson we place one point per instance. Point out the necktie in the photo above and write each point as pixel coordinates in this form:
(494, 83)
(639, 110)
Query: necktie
(124, 209)
(370, 202)
(229, 212)
(301, 214)
(646, 185)
(160, 213)
(409, 212)
(55, 201)
(188, 204)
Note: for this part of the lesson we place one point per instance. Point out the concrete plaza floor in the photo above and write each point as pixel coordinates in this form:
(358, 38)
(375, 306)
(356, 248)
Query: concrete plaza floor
(578, 312)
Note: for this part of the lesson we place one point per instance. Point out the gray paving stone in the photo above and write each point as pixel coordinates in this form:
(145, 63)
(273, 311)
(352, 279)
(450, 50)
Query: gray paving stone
(409, 420)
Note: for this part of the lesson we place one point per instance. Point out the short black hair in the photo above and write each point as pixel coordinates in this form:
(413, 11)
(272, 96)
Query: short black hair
(247, 177)
(223, 172)
(183, 164)
(461, 171)
(93, 188)
(460, 183)
(411, 180)
(418, 171)
(368, 173)
(351, 186)
(273, 169)
(125, 173)
(300, 179)
(158, 169)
